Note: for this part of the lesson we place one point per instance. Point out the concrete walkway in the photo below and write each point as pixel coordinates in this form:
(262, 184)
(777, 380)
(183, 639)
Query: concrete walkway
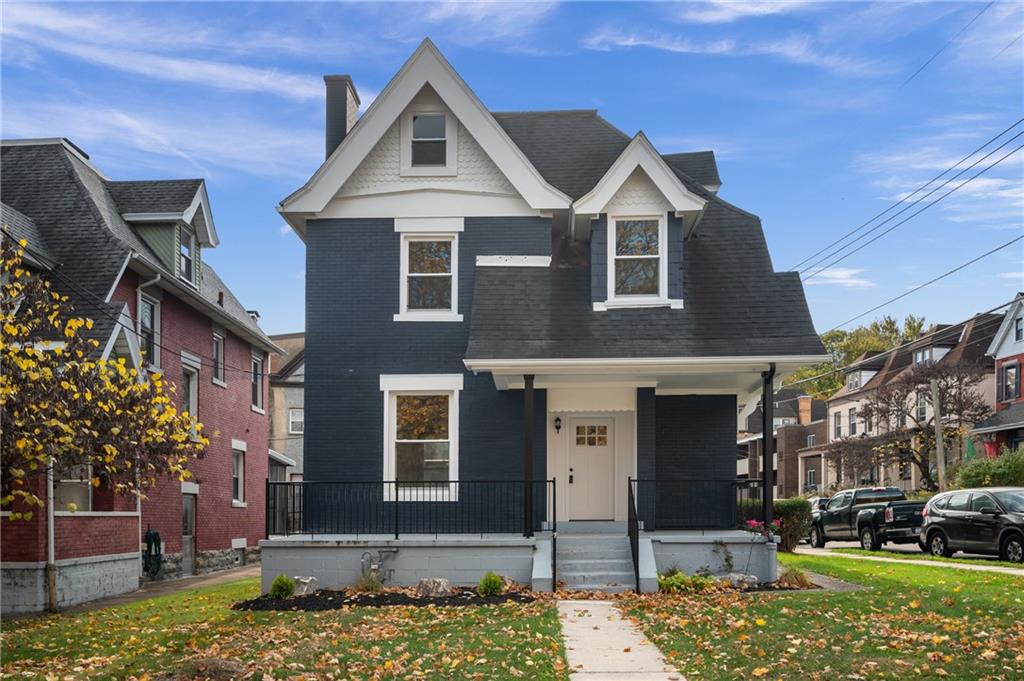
(170, 586)
(601, 644)
(809, 551)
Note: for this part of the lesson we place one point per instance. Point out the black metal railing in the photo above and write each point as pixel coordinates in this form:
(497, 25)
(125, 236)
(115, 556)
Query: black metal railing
(694, 504)
(396, 507)
(634, 533)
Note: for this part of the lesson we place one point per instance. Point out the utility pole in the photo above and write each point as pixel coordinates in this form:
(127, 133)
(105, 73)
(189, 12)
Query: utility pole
(940, 445)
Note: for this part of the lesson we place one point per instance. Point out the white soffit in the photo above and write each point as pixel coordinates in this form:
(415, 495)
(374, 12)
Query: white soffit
(430, 225)
(591, 399)
(639, 154)
(426, 66)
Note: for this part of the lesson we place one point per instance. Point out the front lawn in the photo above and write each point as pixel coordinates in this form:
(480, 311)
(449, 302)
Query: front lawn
(912, 622)
(902, 555)
(153, 637)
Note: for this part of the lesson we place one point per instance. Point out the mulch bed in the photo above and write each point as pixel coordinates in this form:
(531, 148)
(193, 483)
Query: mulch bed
(326, 599)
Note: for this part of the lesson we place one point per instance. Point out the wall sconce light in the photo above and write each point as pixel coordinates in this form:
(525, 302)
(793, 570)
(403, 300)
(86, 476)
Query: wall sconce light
(558, 424)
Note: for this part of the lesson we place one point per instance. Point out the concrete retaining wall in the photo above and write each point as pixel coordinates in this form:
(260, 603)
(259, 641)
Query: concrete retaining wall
(78, 580)
(336, 562)
(694, 552)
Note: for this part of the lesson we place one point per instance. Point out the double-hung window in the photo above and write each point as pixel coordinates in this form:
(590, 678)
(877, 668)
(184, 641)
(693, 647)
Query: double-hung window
(149, 330)
(921, 408)
(256, 381)
(1008, 388)
(421, 444)
(853, 421)
(430, 285)
(218, 358)
(189, 388)
(1018, 329)
(637, 268)
(429, 143)
(296, 421)
(811, 439)
(837, 419)
(238, 476)
(186, 254)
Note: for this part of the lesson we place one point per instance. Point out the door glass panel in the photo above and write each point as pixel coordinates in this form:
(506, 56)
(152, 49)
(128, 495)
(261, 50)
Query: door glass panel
(958, 501)
(980, 501)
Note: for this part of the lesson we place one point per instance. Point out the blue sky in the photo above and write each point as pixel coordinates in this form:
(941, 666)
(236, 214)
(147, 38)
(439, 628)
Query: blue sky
(806, 105)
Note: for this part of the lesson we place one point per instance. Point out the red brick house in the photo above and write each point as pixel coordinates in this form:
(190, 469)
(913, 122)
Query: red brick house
(129, 256)
(1005, 428)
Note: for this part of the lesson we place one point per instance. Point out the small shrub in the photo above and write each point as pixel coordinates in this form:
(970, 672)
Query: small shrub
(795, 578)
(679, 583)
(370, 583)
(1006, 470)
(283, 586)
(490, 585)
(795, 521)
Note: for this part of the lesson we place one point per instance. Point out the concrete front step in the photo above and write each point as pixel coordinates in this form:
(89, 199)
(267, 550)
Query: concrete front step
(599, 578)
(594, 554)
(573, 565)
(596, 562)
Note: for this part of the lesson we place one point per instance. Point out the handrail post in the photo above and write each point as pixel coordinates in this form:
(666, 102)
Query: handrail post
(528, 455)
(554, 534)
(396, 508)
(266, 509)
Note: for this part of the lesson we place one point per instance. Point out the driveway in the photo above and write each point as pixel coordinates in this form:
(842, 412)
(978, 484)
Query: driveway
(898, 548)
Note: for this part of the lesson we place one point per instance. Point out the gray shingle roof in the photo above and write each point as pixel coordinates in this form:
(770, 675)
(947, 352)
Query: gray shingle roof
(21, 227)
(1011, 417)
(154, 196)
(76, 214)
(700, 165)
(735, 305)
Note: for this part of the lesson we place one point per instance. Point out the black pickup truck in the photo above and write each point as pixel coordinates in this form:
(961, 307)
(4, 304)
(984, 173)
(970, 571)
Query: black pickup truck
(872, 515)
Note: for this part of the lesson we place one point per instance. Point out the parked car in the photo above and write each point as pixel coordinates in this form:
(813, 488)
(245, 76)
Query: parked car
(817, 506)
(872, 515)
(989, 521)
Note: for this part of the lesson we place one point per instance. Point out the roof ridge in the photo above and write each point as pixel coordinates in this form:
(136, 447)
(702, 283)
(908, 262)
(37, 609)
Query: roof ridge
(546, 111)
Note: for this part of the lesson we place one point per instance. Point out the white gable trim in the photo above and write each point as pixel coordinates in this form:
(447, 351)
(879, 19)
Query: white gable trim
(207, 234)
(640, 153)
(425, 66)
(1004, 328)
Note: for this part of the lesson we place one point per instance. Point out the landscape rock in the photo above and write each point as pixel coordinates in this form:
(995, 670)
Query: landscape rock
(740, 580)
(305, 586)
(433, 587)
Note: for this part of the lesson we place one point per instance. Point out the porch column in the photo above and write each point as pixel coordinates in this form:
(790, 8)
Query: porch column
(528, 455)
(801, 474)
(767, 440)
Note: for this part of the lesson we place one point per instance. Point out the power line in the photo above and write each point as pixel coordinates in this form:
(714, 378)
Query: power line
(913, 215)
(908, 196)
(1010, 44)
(948, 43)
(117, 321)
(931, 281)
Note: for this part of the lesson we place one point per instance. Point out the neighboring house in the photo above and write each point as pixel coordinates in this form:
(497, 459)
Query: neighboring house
(509, 316)
(129, 255)
(799, 423)
(287, 415)
(1005, 428)
(966, 342)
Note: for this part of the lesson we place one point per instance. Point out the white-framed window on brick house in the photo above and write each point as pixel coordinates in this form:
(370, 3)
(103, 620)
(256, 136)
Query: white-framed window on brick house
(812, 477)
(186, 254)
(256, 382)
(421, 436)
(429, 287)
(1008, 382)
(149, 330)
(637, 260)
(218, 359)
(72, 488)
(429, 143)
(296, 421)
(837, 420)
(188, 391)
(811, 439)
(238, 476)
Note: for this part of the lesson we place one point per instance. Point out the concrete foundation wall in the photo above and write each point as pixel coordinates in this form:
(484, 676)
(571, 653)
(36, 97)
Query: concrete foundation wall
(78, 580)
(694, 553)
(337, 562)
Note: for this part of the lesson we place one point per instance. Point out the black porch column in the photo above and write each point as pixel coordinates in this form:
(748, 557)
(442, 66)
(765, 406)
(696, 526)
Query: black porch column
(767, 440)
(528, 455)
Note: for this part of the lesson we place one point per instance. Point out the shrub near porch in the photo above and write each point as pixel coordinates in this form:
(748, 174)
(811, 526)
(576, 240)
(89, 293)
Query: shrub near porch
(911, 622)
(156, 636)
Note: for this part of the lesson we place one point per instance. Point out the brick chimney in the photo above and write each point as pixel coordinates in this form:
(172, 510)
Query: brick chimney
(342, 110)
(804, 413)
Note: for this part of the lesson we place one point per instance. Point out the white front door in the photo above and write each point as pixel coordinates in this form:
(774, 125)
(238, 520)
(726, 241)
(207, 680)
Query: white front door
(591, 469)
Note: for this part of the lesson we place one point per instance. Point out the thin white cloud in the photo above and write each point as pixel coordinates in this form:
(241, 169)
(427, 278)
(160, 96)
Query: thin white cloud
(140, 49)
(184, 141)
(285, 229)
(1013, 276)
(725, 11)
(509, 26)
(609, 39)
(841, 276)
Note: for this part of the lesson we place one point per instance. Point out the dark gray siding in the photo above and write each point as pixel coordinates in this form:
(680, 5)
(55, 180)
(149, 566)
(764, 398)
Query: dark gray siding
(352, 286)
(599, 258)
(693, 460)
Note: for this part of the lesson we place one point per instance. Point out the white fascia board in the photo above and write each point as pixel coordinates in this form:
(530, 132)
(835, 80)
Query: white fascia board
(1004, 328)
(430, 225)
(207, 236)
(425, 66)
(639, 153)
(392, 382)
(629, 363)
(281, 458)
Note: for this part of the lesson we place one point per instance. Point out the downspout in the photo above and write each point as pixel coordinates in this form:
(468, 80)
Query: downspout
(51, 562)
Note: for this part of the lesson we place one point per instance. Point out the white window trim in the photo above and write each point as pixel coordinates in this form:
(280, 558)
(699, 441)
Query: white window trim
(659, 300)
(392, 385)
(404, 313)
(76, 481)
(451, 135)
(190, 364)
(291, 421)
(238, 502)
(222, 381)
(154, 361)
(258, 408)
(192, 247)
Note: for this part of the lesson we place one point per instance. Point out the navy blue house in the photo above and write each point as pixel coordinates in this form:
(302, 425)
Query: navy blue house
(517, 319)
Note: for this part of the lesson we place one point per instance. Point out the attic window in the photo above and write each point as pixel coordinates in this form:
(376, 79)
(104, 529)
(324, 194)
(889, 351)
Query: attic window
(186, 250)
(853, 381)
(636, 261)
(428, 140)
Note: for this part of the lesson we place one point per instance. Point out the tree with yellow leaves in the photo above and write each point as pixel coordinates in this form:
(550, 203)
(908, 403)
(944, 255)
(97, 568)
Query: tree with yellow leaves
(63, 409)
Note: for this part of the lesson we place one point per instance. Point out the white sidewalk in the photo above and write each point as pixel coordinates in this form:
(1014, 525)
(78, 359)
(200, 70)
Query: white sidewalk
(601, 644)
